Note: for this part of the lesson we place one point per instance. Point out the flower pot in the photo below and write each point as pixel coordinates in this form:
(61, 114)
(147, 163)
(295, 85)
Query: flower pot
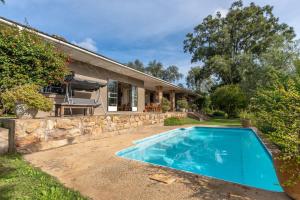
(182, 110)
(246, 123)
(22, 111)
(284, 175)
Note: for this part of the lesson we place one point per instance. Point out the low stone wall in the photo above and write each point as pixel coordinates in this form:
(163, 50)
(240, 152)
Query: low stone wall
(39, 134)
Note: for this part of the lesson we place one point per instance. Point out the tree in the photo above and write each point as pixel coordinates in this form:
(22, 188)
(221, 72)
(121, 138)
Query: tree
(2, 1)
(26, 58)
(172, 74)
(196, 80)
(279, 58)
(180, 85)
(229, 98)
(227, 45)
(155, 68)
(137, 64)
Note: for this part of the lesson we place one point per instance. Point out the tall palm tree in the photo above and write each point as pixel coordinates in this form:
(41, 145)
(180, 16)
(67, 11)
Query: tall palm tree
(2, 1)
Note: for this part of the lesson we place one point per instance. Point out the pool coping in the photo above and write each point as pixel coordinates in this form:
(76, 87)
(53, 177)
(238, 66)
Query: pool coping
(264, 142)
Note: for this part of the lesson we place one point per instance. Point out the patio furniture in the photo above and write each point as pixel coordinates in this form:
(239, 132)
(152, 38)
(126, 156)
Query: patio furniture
(79, 83)
(153, 107)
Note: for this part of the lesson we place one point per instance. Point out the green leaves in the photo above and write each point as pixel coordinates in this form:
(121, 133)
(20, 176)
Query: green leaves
(157, 69)
(182, 103)
(27, 94)
(229, 98)
(26, 58)
(227, 46)
(277, 113)
(165, 105)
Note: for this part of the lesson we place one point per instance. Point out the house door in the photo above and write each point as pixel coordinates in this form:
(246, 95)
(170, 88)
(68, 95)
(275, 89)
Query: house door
(112, 95)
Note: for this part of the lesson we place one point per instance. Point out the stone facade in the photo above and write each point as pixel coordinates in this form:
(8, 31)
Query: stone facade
(40, 134)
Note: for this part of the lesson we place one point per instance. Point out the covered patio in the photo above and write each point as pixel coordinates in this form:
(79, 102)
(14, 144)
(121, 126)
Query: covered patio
(154, 96)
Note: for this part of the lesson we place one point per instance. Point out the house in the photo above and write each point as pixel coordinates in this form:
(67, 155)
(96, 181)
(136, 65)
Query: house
(125, 90)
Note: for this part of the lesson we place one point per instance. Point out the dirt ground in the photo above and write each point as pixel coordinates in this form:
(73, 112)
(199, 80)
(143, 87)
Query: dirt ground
(93, 169)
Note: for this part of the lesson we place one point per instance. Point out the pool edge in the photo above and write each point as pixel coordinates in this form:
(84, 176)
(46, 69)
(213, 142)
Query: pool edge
(158, 135)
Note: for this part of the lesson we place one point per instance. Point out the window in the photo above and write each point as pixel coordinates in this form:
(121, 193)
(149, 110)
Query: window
(112, 95)
(134, 98)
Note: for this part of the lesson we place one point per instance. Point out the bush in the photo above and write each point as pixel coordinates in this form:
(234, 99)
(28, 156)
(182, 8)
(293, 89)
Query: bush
(182, 104)
(173, 121)
(245, 115)
(203, 102)
(26, 94)
(165, 105)
(277, 114)
(26, 58)
(229, 98)
(219, 113)
(193, 107)
(207, 111)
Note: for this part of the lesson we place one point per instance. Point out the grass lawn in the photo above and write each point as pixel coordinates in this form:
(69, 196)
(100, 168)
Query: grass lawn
(213, 121)
(19, 180)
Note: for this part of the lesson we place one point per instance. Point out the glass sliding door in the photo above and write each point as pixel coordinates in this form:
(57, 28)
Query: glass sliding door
(134, 98)
(112, 95)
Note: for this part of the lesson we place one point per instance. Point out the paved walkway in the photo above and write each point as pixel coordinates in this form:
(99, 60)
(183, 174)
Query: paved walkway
(94, 169)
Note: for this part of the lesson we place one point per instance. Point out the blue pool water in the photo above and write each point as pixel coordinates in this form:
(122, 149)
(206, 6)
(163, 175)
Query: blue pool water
(231, 154)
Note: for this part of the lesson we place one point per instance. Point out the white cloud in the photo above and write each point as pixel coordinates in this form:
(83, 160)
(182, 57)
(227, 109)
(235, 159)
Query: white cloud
(222, 11)
(87, 43)
(132, 29)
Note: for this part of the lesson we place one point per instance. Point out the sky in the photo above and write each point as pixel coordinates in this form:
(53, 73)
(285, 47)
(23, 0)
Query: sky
(131, 29)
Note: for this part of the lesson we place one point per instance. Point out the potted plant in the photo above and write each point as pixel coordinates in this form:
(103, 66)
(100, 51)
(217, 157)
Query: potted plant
(193, 107)
(245, 119)
(25, 101)
(165, 105)
(182, 105)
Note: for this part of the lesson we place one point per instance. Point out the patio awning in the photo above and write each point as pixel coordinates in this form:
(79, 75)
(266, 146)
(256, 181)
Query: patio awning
(80, 82)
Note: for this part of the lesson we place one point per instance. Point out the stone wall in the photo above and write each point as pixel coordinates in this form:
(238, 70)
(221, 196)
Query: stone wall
(39, 134)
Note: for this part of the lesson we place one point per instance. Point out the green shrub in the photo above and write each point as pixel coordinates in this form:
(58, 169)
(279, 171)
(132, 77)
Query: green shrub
(245, 115)
(203, 102)
(277, 114)
(207, 111)
(182, 104)
(193, 107)
(173, 121)
(230, 99)
(26, 94)
(219, 113)
(26, 58)
(165, 105)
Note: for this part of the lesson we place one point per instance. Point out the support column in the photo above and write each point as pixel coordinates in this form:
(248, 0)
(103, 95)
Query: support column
(172, 100)
(159, 94)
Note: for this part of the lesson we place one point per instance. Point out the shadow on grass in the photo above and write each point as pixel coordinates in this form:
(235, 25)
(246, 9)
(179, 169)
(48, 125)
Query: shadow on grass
(6, 190)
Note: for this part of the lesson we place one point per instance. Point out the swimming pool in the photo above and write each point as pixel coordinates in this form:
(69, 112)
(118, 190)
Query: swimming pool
(231, 154)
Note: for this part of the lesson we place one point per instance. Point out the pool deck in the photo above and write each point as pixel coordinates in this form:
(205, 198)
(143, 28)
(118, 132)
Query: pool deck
(95, 171)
